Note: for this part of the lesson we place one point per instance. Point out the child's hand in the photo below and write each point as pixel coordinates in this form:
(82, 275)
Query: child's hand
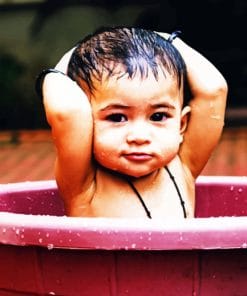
(164, 35)
(62, 65)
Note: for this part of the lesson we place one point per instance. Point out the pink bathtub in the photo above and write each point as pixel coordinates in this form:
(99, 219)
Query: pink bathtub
(42, 252)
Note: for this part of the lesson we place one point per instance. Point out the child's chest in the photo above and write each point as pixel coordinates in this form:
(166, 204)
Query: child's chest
(160, 199)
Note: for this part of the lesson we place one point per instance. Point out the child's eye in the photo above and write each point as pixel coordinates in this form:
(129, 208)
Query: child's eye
(118, 117)
(158, 116)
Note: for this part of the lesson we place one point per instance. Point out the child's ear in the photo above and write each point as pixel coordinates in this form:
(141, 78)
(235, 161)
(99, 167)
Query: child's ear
(185, 114)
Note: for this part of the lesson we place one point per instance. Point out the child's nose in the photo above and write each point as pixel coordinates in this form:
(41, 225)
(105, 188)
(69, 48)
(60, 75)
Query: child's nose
(139, 133)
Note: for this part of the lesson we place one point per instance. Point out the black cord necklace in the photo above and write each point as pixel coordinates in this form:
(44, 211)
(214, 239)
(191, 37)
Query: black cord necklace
(148, 213)
(140, 198)
(182, 202)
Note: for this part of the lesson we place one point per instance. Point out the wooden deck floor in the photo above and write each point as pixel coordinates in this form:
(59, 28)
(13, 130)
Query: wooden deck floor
(32, 158)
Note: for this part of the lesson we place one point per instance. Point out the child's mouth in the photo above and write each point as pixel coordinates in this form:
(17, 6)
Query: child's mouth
(138, 156)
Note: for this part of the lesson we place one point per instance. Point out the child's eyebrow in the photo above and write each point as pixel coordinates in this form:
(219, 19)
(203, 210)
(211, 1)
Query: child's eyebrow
(162, 105)
(114, 106)
(123, 106)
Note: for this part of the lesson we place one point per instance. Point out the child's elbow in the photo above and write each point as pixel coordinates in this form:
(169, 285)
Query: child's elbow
(222, 89)
(218, 89)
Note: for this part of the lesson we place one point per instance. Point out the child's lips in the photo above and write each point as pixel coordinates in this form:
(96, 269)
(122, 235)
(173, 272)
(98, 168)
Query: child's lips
(138, 156)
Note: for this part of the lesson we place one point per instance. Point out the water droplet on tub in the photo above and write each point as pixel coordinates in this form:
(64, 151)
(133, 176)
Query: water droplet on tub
(40, 240)
(17, 232)
(133, 246)
(4, 230)
(244, 245)
(232, 188)
(50, 246)
(240, 190)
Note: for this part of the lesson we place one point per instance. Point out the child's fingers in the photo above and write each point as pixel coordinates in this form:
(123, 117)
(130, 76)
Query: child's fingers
(164, 35)
(62, 65)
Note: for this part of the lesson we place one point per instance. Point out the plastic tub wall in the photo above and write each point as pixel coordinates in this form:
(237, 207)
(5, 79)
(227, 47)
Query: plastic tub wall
(43, 252)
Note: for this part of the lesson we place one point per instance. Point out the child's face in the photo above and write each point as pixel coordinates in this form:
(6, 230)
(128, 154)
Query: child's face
(137, 123)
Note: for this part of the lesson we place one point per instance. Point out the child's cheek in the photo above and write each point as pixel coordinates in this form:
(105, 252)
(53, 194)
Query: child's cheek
(102, 145)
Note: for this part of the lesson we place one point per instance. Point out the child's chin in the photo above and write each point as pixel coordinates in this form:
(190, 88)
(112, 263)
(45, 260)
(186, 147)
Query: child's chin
(139, 174)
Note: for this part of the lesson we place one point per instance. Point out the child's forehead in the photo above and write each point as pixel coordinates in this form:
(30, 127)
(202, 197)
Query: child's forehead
(138, 69)
(118, 78)
(136, 91)
(114, 70)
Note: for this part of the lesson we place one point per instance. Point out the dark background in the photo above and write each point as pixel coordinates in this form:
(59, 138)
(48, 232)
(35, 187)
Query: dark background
(41, 31)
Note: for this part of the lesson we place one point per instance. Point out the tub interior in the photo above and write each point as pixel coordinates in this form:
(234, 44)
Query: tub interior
(215, 197)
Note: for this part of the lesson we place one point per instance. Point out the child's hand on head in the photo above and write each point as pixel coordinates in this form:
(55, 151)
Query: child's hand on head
(61, 93)
(63, 83)
(63, 63)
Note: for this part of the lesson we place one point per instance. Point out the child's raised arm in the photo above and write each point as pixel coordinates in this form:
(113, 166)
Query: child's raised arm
(209, 92)
(68, 112)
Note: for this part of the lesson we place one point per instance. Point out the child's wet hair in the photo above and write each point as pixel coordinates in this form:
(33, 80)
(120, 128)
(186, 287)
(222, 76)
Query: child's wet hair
(136, 50)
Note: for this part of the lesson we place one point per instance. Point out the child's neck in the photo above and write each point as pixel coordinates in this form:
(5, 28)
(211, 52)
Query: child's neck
(148, 177)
